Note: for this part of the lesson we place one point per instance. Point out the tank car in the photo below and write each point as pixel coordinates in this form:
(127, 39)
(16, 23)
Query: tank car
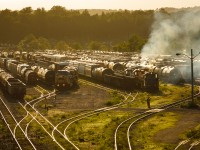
(47, 76)
(17, 55)
(85, 69)
(167, 73)
(58, 65)
(171, 74)
(27, 74)
(11, 85)
(114, 66)
(98, 73)
(26, 56)
(22, 71)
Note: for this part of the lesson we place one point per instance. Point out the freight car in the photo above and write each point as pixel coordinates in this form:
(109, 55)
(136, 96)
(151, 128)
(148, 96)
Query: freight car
(168, 74)
(115, 66)
(25, 72)
(44, 75)
(19, 70)
(11, 85)
(94, 71)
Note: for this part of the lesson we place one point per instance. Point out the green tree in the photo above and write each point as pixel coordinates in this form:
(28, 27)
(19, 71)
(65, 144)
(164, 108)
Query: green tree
(62, 45)
(43, 43)
(27, 44)
(135, 44)
(94, 45)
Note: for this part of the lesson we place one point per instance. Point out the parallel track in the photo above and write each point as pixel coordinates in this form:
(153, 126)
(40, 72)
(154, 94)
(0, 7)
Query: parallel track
(10, 120)
(143, 115)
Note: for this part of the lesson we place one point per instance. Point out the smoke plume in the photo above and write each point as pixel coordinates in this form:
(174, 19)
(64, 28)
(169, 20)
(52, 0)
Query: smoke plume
(174, 32)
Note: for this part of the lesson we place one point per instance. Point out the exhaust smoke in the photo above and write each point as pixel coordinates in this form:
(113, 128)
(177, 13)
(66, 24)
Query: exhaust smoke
(174, 32)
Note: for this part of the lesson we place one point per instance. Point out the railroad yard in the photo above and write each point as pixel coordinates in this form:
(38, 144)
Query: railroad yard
(88, 106)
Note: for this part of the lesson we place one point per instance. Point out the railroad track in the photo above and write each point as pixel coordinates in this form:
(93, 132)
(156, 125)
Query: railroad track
(21, 139)
(30, 109)
(99, 86)
(134, 119)
(190, 142)
(34, 101)
(91, 113)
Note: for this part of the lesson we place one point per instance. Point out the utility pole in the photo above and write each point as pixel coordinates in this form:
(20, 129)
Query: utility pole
(191, 57)
(192, 75)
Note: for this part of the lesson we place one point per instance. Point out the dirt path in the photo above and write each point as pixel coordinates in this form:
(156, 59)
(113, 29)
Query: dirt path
(188, 119)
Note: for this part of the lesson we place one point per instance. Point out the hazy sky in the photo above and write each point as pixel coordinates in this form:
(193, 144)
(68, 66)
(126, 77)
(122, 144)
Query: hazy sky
(98, 4)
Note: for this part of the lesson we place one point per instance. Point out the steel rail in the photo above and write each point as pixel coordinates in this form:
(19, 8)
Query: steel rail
(10, 130)
(163, 108)
(195, 143)
(43, 127)
(39, 98)
(17, 123)
(90, 114)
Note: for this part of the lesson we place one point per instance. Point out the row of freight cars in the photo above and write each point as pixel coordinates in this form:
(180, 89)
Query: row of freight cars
(106, 72)
(139, 78)
(62, 79)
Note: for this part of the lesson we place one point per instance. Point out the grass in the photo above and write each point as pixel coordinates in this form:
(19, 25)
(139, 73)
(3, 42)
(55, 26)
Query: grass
(96, 132)
(194, 133)
(116, 98)
(29, 97)
(142, 135)
(168, 93)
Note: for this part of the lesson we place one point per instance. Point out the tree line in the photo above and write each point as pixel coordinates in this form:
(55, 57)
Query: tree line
(122, 30)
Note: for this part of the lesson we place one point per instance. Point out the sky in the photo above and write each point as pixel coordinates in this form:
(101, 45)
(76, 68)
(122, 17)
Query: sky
(97, 4)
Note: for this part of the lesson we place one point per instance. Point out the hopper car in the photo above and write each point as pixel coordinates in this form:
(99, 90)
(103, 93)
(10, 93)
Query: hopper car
(14, 87)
